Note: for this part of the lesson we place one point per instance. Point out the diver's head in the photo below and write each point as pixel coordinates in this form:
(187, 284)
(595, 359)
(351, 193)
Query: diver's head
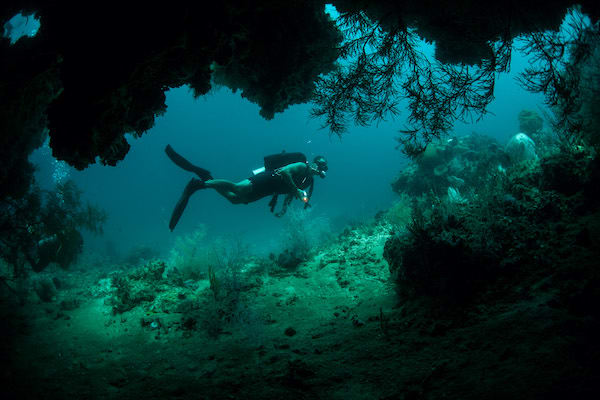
(320, 165)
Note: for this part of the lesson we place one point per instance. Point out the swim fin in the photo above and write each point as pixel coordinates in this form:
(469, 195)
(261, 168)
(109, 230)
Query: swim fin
(186, 165)
(191, 188)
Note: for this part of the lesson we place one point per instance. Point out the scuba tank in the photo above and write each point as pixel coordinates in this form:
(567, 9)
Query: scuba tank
(274, 161)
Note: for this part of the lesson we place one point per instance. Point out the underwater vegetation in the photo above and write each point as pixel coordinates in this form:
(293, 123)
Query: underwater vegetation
(383, 64)
(461, 163)
(208, 294)
(206, 284)
(519, 219)
(515, 250)
(191, 255)
(303, 236)
(480, 211)
(564, 67)
(44, 227)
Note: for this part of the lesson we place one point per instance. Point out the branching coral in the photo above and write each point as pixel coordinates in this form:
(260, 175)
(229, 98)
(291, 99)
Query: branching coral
(473, 43)
(564, 66)
(383, 66)
(44, 227)
(520, 220)
(191, 256)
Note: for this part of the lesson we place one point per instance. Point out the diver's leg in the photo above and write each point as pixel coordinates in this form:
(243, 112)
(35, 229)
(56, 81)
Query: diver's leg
(191, 188)
(236, 193)
(186, 165)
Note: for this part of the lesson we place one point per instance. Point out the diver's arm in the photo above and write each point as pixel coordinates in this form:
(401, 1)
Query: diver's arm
(287, 173)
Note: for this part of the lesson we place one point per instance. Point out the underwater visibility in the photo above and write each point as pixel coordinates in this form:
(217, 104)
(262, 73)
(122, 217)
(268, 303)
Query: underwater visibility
(300, 200)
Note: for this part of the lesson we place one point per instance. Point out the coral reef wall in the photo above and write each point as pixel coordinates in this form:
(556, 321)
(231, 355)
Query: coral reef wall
(113, 65)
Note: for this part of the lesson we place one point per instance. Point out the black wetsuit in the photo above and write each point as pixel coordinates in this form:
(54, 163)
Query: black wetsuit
(267, 183)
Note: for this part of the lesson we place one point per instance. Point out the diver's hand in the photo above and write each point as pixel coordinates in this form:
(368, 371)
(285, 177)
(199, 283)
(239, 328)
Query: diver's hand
(300, 194)
(303, 196)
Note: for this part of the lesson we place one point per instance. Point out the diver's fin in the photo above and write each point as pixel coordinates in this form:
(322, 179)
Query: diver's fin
(185, 164)
(192, 186)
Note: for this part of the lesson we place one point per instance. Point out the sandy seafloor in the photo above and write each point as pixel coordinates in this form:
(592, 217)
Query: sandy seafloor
(332, 329)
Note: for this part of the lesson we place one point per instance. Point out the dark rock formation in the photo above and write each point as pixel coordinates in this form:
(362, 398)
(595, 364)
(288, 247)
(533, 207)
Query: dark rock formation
(104, 73)
(462, 30)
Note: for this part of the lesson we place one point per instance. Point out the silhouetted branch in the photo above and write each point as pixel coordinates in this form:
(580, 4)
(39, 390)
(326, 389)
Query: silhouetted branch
(559, 60)
(383, 67)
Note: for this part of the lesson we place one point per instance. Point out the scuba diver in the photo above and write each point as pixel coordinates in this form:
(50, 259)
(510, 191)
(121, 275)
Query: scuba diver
(284, 173)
